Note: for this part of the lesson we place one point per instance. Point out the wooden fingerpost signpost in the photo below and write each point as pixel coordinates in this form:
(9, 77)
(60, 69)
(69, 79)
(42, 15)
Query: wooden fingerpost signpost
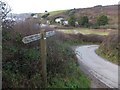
(42, 36)
(43, 58)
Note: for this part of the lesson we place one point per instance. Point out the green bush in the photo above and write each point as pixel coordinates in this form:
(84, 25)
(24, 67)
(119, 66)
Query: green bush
(95, 26)
(102, 20)
(72, 20)
(22, 66)
(6, 36)
(113, 26)
(109, 48)
(84, 21)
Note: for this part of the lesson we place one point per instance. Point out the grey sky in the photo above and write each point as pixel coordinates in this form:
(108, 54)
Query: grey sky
(22, 6)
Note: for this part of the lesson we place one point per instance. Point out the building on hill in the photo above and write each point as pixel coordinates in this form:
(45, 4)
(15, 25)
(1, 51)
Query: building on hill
(59, 20)
(65, 23)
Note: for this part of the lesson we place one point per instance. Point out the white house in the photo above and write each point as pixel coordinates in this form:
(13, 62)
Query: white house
(43, 25)
(48, 22)
(59, 20)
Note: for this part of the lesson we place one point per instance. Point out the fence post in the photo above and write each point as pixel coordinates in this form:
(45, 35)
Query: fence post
(43, 58)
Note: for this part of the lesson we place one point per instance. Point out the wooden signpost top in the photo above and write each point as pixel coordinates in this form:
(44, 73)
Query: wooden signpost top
(35, 37)
(42, 36)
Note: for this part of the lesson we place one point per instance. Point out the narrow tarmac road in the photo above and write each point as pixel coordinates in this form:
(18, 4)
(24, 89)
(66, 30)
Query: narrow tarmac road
(101, 69)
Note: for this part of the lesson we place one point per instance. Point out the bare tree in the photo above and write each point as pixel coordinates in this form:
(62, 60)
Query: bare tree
(6, 24)
(4, 9)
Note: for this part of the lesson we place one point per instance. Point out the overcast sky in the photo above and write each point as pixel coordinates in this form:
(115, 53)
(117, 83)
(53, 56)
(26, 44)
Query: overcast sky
(39, 6)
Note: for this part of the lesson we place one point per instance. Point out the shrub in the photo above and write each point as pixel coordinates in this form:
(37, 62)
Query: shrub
(21, 63)
(110, 47)
(102, 20)
(72, 20)
(95, 26)
(83, 21)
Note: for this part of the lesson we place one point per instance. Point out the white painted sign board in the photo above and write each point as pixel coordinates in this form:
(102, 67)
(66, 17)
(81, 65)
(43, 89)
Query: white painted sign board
(50, 33)
(35, 37)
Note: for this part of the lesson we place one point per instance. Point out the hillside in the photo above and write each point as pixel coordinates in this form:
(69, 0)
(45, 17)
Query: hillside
(111, 11)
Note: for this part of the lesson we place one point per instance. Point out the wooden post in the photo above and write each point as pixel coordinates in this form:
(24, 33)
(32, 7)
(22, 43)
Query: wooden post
(43, 58)
(42, 36)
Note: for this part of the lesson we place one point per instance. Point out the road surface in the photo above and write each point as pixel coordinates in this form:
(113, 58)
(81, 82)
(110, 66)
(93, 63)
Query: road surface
(101, 69)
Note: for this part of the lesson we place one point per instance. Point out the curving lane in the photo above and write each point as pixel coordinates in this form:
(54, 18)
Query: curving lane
(100, 68)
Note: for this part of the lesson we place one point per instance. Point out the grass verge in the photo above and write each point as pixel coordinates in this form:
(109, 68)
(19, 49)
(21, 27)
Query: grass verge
(113, 59)
(109, 48)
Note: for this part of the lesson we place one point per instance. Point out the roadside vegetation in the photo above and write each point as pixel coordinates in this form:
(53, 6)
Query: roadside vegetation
(63, 66)
(109, 48)
(21, 66)
(21, 63)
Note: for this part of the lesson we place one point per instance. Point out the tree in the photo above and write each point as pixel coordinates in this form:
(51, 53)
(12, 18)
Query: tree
(4, 10)
(46, 11)
(72, 20)
(83, 21)
(32, 14)
(45, 15)
(102, 20)
(72, 12)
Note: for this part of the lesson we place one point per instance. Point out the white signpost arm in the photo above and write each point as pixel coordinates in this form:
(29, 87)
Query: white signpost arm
(31, 38)
(35, 37)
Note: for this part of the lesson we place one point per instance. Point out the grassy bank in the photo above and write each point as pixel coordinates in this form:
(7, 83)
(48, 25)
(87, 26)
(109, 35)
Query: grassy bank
(109, 48)
(21, 66)
(113, 59)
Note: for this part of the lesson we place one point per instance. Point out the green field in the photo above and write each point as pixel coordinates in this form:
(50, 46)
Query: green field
(86, 31)
(56, 12)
